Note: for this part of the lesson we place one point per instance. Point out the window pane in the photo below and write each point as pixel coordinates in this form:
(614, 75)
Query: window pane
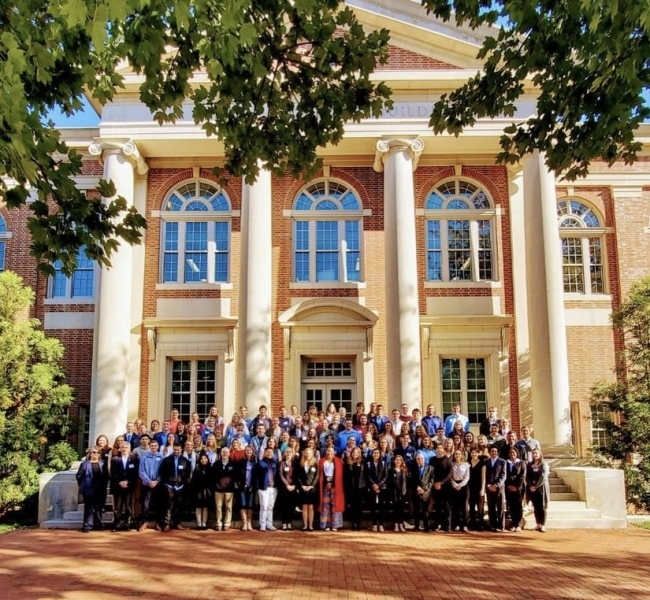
(327, 256)
(460, 267)
(221, 237)
(83, 283)
(450, 384)
(196, 252)
(206, 386)
(301, 255)
(600, 417)
(572, 266)
(484, 251)
(353, 255)
(434, 251)
(2, 256)
(59, 281)
(476, 390)
(181, 387)
(596, 266)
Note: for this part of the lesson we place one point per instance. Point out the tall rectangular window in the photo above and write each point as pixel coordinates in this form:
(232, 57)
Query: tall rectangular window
(2, 255)
(79, 286)
(193, 386)
(464, 382)
(196, 251)
(327, 251)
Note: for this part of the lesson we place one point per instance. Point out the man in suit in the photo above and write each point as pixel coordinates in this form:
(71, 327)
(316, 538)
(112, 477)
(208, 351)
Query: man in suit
(131, 435)
(492, 419)
(124, 473)
(421, 483)
(495, 479)
(174, 476)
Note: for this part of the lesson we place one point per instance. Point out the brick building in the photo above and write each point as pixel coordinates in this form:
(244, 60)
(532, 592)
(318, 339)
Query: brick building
(410, 269)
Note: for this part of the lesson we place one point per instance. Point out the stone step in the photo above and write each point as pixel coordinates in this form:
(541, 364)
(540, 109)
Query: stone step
(584, 523)
(78, 516)
(564, 496)
(555, 481)
(559, 488)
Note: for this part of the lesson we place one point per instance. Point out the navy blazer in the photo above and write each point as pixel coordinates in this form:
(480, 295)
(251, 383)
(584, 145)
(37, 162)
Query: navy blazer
(261, 473)
(120, 473)
(495, 475)
(85, 477)
(425, 482)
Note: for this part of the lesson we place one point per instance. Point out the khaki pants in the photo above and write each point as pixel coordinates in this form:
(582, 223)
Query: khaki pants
(223, 500)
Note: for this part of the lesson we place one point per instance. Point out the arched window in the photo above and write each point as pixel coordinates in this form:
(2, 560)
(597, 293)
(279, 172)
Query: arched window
(327, 229)
(196, 217)
(4, 236)
(581, 235)
(459, 233)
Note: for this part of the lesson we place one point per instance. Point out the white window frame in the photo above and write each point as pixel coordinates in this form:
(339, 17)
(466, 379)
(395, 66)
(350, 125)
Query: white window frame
(193, 381)
(340, 217)
(473, 215)
(68, 297)
(463, 383)
(183, 217)
(585, 234)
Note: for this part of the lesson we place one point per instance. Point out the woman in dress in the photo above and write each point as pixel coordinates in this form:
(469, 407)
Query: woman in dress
(459, 491)
(332, 494)
(515, 488)
(287, 488)
(398, 489)
(537, 487)
(476, 493)
(92, 478)
(355, 487)
(376, 479)
(308, 485)
(202, 491)
(244, 486)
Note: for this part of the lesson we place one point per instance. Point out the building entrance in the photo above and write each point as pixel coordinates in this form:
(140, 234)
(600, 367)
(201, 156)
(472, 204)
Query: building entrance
(328, 381)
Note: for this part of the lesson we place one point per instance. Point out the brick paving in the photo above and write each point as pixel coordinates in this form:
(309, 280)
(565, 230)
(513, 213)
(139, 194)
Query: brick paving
(558, 565)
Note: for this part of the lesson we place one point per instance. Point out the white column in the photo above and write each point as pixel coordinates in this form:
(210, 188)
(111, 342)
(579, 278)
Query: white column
(548, 344)
(398, 159)
(255, 288)
(519, 277)
(113, 309)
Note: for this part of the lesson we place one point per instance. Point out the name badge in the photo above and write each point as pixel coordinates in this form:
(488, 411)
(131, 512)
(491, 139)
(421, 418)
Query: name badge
(312, 469)
(131, 466)
(180, 467)
(287, 469)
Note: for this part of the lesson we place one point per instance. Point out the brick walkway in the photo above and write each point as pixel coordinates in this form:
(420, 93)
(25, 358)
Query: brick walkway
(580, 564)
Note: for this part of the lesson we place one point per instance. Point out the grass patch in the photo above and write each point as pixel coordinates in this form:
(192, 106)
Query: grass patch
(642, 525)
(7, 527)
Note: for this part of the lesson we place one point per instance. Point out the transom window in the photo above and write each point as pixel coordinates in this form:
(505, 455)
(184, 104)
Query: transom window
(581, 239)
(196, 218)
(193, 387)
(79, 286)
(464, 382)
(327, 229)
(4, 235)
(459, 233)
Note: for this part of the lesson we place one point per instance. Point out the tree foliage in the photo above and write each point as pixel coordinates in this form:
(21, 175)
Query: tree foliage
(629, 398)
(589, 61)
(281, 79)
(33, 397)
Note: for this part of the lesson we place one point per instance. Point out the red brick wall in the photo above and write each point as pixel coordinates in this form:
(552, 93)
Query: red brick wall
(400, 59)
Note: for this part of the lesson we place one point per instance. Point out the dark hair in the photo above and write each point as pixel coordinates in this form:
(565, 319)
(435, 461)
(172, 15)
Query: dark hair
(178, 444)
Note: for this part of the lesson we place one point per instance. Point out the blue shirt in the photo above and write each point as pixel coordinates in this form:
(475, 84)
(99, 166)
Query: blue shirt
(342, 439)
(451, 419)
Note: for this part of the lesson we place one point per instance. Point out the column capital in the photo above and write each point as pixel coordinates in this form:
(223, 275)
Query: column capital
(514, 169)
(388, 146)
(102, 148)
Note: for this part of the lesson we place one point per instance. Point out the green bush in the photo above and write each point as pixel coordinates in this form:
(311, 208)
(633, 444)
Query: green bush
(33, 398)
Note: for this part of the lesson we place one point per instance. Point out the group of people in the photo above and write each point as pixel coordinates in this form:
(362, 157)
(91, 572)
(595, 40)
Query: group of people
(407, 466)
